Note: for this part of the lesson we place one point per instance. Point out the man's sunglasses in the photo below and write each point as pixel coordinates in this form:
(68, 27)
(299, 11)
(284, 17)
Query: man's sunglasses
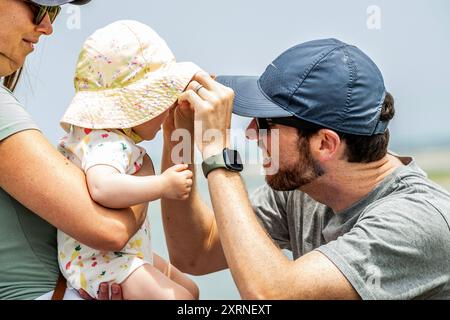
(266, 123)
(40, 12)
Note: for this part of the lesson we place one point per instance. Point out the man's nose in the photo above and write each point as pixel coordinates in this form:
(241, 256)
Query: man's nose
(45, 27)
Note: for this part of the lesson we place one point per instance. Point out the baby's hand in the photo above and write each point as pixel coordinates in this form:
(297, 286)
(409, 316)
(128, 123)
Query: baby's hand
(178, 182)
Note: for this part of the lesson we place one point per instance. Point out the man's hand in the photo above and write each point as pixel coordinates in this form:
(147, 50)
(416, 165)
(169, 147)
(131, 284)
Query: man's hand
(180, 117)
(213, 104)
(184, 117)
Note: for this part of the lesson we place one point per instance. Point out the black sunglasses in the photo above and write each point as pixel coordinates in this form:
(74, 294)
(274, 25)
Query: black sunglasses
(266, 123)
(40, 12)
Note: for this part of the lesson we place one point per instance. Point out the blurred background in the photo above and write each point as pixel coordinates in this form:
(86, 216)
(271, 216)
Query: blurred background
(407, 39)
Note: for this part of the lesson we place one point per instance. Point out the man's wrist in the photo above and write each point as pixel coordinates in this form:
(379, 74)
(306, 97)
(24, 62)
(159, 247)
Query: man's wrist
(223, 172)
(212, 150)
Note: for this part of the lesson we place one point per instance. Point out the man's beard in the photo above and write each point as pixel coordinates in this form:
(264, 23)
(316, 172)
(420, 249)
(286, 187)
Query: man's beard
(303, 172)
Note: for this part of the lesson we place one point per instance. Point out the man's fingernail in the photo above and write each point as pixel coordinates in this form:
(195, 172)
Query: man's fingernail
(103, 288)
(115, 290)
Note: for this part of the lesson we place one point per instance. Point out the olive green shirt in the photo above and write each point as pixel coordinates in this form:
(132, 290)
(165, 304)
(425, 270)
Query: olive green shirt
(28, 256)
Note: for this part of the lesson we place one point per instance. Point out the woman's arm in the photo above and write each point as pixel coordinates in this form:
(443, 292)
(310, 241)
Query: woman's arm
(113, 189)
(39, 177)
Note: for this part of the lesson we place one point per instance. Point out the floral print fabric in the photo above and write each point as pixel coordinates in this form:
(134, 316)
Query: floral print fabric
(82, 266)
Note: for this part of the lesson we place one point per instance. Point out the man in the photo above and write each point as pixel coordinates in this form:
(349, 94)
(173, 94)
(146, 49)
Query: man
(361, 222)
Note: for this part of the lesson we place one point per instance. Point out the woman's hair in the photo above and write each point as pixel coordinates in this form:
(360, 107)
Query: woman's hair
(11, 81)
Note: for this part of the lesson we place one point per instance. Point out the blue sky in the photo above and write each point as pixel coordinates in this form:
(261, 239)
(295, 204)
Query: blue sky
(412, 48)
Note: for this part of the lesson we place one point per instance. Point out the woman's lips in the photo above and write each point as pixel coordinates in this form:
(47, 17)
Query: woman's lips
(30, 43)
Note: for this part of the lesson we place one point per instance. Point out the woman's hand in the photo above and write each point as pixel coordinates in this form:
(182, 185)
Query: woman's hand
(103, 292)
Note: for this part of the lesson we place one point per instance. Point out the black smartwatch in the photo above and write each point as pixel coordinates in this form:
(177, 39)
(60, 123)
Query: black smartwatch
(229, 159)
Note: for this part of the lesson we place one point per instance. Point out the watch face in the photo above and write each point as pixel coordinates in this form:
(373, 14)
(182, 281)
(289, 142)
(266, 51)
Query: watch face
(232, 160)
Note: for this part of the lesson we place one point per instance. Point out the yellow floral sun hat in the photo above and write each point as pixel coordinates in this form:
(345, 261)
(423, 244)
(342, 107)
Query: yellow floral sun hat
(126, 75)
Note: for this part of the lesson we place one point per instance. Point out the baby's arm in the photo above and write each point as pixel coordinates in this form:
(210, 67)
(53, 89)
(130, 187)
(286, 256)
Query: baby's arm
(112, 189)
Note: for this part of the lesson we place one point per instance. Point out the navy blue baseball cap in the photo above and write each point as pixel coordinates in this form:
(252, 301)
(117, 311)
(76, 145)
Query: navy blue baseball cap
(324, 82)
(52, 3)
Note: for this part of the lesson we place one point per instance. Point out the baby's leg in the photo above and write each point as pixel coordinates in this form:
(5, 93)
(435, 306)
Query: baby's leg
(176, 275)
(148, 283)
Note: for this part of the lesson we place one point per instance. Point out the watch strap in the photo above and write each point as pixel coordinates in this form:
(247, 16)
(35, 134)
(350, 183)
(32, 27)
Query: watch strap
(212, 163)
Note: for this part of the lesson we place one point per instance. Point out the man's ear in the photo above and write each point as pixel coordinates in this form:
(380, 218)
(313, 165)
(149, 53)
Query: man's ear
(326, 145)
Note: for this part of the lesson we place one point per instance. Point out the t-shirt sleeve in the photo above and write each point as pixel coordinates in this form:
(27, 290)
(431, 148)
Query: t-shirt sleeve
(102, 147)
(269, 206)
(13, 118)
(399, 250)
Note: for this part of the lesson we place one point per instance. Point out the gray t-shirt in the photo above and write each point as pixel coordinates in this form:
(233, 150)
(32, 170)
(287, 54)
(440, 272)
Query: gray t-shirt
(393, 244)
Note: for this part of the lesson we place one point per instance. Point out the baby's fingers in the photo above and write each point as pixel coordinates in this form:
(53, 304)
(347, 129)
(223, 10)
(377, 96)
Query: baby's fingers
(180, 167)
(188, 174)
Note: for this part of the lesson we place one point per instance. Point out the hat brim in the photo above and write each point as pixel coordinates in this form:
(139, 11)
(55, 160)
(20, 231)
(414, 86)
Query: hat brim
(249, 100)
(132, 105)
(53, 3)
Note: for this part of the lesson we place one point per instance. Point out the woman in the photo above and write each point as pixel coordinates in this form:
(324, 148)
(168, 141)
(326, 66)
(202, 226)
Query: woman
(34, 178)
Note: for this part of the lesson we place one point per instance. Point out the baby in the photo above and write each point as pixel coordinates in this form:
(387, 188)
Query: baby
(126, 82)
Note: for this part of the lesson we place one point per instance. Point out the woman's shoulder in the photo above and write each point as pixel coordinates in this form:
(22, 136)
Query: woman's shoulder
(13, 117)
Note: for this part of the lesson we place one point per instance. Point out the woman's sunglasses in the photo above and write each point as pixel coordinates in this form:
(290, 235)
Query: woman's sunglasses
(41, 11)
